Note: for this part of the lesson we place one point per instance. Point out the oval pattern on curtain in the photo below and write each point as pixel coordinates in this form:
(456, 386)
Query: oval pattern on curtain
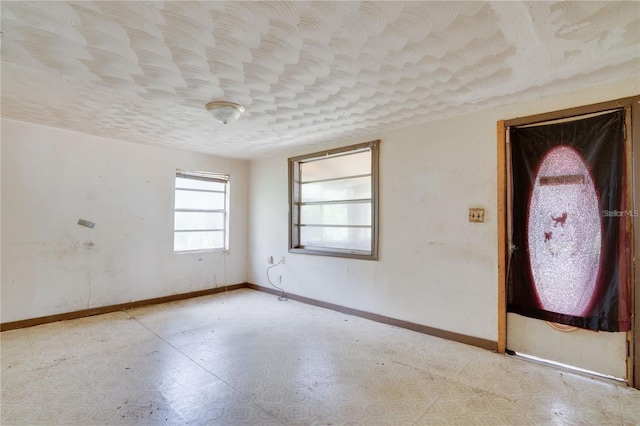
(564, 233)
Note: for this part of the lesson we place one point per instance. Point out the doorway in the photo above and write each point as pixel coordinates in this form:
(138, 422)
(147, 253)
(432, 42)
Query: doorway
(566, 210)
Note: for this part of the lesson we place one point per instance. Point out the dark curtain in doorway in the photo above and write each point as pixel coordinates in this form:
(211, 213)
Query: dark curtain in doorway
(600, 142)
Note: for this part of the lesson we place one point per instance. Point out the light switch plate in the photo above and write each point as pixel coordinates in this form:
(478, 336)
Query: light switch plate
(476, 215)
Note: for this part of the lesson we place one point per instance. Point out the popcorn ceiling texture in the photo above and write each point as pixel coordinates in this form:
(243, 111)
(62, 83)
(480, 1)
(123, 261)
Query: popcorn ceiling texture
(307, 72)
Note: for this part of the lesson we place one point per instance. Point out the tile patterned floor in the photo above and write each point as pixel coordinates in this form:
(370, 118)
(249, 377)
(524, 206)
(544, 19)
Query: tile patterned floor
(244, 358)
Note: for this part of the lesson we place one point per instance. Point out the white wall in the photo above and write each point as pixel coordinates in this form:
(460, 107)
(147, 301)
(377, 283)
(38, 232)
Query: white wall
(52, 177)
(435, 268)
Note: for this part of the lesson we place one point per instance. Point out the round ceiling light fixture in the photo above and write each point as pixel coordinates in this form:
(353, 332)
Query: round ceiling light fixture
(225, 112)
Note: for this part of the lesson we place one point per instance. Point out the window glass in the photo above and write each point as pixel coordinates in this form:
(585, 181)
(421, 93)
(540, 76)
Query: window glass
(333, 202)
(201, 211)
(199, 220)
(341, 189)
(192, 241)
(336, 214)
(358, 163)
(337, 238)
(199, 200)
(208, 185)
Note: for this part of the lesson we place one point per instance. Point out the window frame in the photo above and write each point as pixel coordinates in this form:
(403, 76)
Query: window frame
(207, 177)
(294, 184)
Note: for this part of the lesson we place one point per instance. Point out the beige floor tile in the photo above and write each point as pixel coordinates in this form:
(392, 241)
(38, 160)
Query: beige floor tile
(244, 358)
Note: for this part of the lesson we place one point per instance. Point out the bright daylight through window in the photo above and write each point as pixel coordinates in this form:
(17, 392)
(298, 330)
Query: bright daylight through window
(333, 202)
(201, 218)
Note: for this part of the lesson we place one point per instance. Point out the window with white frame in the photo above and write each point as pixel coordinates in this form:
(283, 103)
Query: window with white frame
(201, 217)
(333, 202)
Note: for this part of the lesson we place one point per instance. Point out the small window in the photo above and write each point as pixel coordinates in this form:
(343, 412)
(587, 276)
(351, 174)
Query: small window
(201, 217)
(333, 202)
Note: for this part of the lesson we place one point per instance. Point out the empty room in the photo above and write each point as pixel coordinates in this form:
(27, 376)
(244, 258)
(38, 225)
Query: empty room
(320, 213)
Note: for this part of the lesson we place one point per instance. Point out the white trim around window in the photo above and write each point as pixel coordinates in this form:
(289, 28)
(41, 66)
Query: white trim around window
(201, 212)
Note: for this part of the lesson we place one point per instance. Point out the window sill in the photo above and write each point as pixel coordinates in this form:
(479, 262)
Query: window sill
(213, 250)
(350, 254)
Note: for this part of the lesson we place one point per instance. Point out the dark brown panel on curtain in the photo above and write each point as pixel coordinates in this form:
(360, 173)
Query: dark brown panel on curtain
(599, 143)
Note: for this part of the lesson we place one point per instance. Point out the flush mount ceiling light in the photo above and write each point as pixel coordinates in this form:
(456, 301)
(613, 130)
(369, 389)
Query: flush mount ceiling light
(224, 112)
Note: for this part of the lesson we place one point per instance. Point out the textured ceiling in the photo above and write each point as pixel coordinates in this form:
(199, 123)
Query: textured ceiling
(307, 72)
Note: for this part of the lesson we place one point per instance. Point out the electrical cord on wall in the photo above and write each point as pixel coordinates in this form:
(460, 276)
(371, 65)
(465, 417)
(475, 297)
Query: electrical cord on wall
(224, 267)
(282, 297)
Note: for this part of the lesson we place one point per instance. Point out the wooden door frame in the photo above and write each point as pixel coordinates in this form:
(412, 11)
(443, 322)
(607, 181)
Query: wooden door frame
(632, 104)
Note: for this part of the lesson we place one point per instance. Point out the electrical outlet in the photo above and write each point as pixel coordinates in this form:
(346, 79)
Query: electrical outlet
(282, 260)
(476, 215)
(270, 260)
